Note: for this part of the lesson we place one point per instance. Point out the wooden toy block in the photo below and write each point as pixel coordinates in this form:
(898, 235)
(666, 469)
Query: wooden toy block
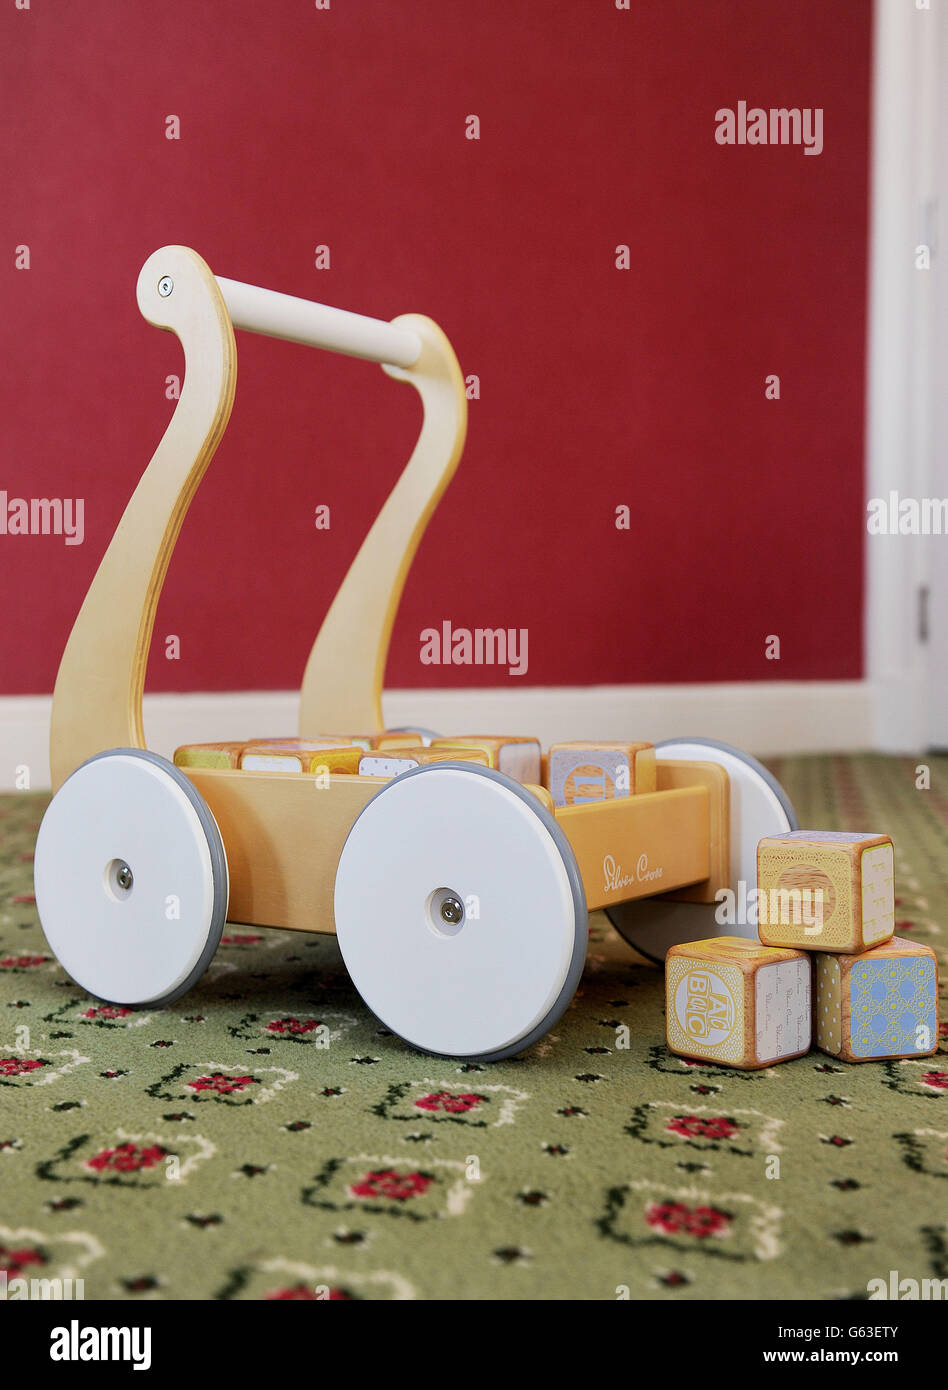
(364, 741)
(881, 1003)
(392, 762)
(538, 790)
(381, 740)
(583, 771)
(737, 1003)
(209, 755)
(825, 890)
(516, 755)
(300, 755)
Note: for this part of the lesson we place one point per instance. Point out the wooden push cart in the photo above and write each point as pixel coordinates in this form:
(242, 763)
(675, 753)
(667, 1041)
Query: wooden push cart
(459, 896)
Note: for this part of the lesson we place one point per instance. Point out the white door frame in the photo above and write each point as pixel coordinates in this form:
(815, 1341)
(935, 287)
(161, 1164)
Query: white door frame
(900, 396)
(937, 546)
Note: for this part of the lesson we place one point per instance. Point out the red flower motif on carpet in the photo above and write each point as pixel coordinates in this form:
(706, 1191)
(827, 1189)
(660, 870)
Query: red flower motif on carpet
(221, 1084)
(240, 939)
(19, 1066)
(396, 1187)
(675, 1218)
(937, 1079)
(107, 1011)
(22, 962)
(696, 1127)
(126, 1158)
(293, 1025)
(13, 1262)
(452, 1102)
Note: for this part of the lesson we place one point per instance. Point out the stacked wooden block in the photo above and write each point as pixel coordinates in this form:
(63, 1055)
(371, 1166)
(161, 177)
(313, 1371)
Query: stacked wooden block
(827, 967)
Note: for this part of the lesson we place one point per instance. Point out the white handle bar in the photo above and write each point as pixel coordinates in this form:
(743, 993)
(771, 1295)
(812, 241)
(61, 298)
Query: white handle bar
(317, 325)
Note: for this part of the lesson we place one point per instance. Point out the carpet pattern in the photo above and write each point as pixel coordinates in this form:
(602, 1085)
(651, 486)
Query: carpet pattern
(265, 1137)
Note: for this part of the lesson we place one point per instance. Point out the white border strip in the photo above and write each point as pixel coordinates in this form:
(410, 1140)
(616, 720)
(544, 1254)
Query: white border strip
(898, 384)
(769, 718)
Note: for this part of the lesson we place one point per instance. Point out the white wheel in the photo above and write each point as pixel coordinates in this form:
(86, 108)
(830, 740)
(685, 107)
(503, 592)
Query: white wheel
(131, 878)
(460, 912)
(758, 806)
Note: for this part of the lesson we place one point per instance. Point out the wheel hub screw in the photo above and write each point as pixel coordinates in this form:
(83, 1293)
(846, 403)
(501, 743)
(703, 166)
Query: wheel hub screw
(124, 877)
(165, 286)
(452, 910)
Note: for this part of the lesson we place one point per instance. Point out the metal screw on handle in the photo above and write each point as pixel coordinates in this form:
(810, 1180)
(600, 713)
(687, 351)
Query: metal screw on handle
(165, 286)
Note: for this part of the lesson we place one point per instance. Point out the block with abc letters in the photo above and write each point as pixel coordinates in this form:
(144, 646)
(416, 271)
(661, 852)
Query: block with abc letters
(881, 1003)
(737, 1003)
(585, 771)
(825, 890)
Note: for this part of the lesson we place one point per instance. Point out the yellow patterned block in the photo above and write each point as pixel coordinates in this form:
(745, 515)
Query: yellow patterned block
(879, 1004)
(209, 755)
(516, 755)
(826, 891)
(584, 771)
(737, 1003)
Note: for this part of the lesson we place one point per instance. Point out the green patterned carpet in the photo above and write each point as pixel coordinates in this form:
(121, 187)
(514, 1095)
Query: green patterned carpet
(219, 1149)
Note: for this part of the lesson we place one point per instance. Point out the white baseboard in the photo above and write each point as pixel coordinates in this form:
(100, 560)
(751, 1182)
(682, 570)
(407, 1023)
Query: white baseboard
(770, 718)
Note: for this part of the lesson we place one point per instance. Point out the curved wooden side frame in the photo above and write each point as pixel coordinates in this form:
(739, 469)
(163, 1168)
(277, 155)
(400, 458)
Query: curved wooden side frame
(342, 684)
(97, 701)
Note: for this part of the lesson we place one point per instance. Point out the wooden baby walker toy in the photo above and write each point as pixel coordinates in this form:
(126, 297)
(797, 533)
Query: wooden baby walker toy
(457, 885)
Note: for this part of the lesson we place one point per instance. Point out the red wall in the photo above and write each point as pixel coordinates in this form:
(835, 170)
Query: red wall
(599, 386)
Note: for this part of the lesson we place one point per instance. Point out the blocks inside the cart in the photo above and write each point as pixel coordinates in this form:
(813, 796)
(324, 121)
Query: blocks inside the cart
(392, 762)
(301, 755)
(581, 772)
(383, 740)
(209, 755)
(334, 753)
(736, 1003)
(879, 1004)
(825, 890)
(517, 755)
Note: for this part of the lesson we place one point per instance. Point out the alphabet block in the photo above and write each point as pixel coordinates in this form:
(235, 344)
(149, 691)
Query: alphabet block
(300, 755)
(825, 890)
(584, 771)
(737, 1003)
(514, 754)
(392, 762)
(209, 755)
(366, 741)
(382, 740)
(878, 1004)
